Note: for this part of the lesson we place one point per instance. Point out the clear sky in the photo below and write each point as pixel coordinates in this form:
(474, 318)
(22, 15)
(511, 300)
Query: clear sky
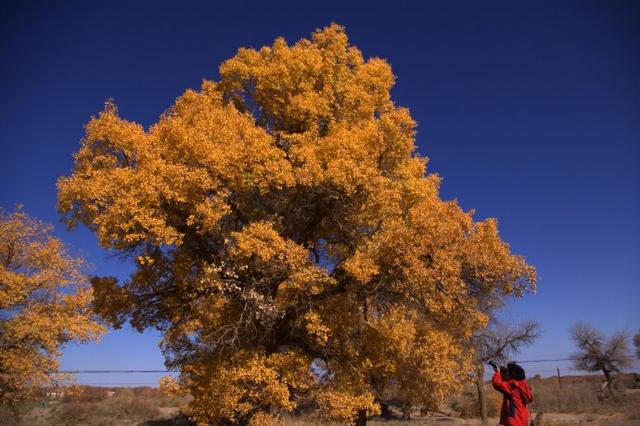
(530, 111)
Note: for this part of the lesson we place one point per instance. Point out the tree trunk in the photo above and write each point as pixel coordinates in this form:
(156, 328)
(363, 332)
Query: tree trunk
(362, 418)
(482, 398)
(406, 411)
(385, 412)
(608, 384)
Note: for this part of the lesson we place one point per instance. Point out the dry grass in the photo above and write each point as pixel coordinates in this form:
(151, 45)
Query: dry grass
(581, 394)
(466, 404)
(115, 410)
(576, 401)
(92, 406)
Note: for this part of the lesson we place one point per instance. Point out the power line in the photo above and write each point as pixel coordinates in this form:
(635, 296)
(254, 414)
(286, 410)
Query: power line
(559, 359)
(546, 360)
(526, 361)
(115, 371)
(118, 383)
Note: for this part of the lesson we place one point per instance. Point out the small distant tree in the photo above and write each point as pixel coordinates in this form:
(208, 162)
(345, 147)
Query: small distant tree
(636, 343)
(498, 342)
(45, 302)
(597, 353)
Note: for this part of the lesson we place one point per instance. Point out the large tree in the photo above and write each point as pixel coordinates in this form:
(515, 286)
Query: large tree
(280, 219)
(45, 302)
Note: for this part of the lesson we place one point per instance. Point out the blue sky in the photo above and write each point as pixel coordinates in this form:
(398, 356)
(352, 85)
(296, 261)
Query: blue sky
(530, 111)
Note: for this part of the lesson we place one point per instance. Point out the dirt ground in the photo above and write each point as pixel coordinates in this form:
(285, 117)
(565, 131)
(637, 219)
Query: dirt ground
(555, 419)
(575, 403)
(551, 419)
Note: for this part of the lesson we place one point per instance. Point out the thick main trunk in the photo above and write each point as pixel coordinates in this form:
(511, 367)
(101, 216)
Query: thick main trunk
(385, 412)
(482, 398)
(608, 385)
(406, 411)
(362, 418)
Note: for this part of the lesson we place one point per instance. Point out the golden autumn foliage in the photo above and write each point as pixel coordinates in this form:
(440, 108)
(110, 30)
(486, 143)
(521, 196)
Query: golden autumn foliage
(44, 303)
(289, 242)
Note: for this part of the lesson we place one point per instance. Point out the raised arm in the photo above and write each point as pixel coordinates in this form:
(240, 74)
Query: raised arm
(500, 385)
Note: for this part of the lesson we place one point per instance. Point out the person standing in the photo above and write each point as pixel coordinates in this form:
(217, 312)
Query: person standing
(511, 382)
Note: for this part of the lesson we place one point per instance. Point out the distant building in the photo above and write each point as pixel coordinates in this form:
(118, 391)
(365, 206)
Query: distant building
(55, 395)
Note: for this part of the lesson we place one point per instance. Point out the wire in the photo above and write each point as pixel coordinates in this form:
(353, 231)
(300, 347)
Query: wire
(118, 383)
(526, 361)
(557, 359)
(115, 371)
(545, 360)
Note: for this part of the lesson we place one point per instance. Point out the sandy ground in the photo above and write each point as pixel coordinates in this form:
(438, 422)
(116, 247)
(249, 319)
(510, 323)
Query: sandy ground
(550, 419)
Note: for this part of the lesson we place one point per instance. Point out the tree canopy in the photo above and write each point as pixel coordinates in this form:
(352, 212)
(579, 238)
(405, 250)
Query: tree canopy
(288, 240)
(44, 303)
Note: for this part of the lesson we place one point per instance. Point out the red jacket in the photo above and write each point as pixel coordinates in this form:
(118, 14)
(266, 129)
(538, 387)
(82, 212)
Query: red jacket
(516, 396)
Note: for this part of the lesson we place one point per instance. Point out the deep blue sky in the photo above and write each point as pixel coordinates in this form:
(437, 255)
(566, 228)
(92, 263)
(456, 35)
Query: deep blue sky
(530, 111)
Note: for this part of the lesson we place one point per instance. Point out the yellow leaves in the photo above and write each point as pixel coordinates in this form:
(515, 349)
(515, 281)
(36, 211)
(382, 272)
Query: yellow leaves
(208, 214)
(17, 287)
(372, 93)
(261, 240)
(316, 328)
(263, 419)
(233, 389)
(344, 405)
(45, 301)
(490, 264)
(107, 189)
(223, 141)
(129, 183)
(170, 386)
(332, 38)
(144, 260)
(433, 359)
(362, 266)
(319, 79)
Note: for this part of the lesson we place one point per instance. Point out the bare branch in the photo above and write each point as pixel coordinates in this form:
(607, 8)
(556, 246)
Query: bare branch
(499, 341)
